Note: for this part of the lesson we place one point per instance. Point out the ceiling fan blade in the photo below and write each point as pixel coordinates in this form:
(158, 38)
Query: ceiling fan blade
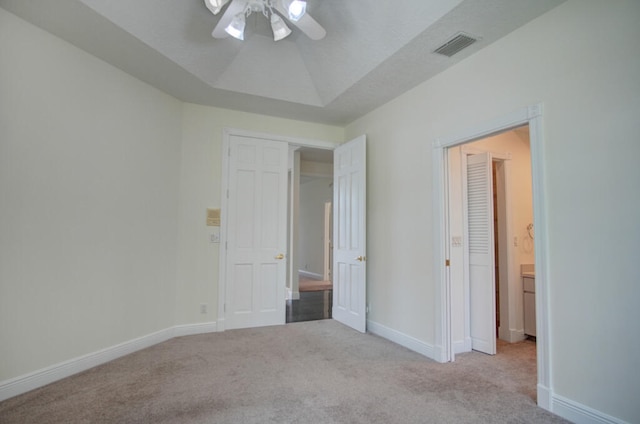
(306, 24)
(217, 7)
(235, 7)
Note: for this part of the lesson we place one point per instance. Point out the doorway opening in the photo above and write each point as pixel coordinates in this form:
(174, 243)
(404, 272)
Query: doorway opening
(490, 207)
(509, 211)
(310, 234)
(452, 322)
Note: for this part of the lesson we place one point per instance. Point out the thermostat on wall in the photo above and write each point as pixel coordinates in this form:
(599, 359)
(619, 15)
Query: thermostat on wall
(213, 217)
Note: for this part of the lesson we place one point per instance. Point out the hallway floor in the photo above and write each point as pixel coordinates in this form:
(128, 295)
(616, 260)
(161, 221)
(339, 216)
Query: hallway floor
(312, 306)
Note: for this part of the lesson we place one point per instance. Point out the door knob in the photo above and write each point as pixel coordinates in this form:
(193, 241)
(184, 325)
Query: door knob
(280, 256)
(361, 258)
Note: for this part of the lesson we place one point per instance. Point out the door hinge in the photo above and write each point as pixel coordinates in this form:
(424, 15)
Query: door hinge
(224, 307)
(227, 193)
(447, 262)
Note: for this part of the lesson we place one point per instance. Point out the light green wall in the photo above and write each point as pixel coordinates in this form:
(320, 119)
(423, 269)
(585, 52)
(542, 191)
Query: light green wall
(89, 178)
(582, 61)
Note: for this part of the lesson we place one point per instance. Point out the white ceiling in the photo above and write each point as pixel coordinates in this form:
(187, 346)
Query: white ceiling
(373, 51)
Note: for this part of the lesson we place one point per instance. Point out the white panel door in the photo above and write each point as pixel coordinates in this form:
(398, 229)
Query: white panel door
(256, 241)
(349, 234)
(481, 253)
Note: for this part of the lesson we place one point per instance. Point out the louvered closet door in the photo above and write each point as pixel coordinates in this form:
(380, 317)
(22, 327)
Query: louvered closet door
(481, 253)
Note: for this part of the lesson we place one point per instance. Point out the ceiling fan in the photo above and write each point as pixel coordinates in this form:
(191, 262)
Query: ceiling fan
(233, 20)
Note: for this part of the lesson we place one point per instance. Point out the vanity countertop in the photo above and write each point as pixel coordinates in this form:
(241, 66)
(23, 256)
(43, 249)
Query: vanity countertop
(528, 270)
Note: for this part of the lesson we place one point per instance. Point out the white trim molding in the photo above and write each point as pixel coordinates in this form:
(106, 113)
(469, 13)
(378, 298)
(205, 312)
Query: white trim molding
(511, 335)
(402, 339)
(25, 383)
(293, 295)
(295, 141)
(578, 413)
(193, 329)
(444, 345)
(462, 346)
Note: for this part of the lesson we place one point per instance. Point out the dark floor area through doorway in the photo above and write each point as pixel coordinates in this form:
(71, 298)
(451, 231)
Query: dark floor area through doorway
(312, 306)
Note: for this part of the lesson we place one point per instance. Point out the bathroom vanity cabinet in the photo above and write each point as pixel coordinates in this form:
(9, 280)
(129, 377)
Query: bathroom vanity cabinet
(529, 288)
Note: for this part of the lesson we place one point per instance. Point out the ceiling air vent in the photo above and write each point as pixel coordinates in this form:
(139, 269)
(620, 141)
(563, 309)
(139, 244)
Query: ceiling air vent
(457, 43)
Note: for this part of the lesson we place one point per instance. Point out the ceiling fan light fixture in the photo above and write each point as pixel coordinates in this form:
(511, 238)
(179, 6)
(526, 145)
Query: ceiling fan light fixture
(236, 27)
(233, 20)
(295, 8)
(279, 28)
(215, 6)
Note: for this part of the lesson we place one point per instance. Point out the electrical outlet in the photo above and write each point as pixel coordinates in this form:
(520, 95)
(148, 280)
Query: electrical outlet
(203, 308)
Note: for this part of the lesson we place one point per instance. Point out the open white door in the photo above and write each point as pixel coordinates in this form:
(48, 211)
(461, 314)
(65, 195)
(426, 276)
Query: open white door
(481, 253)
(257, 219)
(349, 234)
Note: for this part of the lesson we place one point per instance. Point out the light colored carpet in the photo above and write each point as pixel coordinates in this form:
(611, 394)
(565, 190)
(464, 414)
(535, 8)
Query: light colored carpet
(307, 285)
(311, 372)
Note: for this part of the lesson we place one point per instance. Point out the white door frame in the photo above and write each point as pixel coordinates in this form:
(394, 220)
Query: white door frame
(224, 203)
(326, 241)
(532, 116)
(293, 276)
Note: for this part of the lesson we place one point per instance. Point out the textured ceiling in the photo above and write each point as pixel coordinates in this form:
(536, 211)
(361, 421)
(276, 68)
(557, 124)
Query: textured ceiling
(373, 51)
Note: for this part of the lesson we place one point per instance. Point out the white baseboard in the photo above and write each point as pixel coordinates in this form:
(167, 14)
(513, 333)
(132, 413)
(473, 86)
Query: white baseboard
(25, 383)
(402, 339)
(311, 275)
(193, 329)
(578, 413)
(462, 346)
(510, 335)
(571, 410)
(544, 397)
(291, 295)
